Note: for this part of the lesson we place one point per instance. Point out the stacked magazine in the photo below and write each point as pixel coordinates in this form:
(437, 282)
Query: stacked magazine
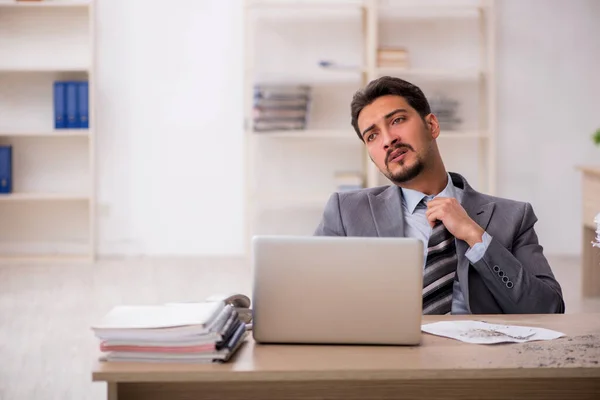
(281, 107)
(176, 332)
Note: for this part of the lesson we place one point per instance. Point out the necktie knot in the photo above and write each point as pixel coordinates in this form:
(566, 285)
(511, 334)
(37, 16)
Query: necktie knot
(424, 201)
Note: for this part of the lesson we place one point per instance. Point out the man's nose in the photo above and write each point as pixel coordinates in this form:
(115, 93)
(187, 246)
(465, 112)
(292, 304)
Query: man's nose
(389, 139)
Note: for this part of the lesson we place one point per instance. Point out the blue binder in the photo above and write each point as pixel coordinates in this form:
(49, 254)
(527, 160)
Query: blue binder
(60, 110)
(5, 169)
(83, 104)
(71, 105)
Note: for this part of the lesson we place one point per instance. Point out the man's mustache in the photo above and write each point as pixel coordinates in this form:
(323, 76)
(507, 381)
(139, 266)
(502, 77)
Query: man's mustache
(396, 147)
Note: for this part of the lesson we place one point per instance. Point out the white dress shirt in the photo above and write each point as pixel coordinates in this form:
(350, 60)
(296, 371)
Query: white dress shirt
(417, 226)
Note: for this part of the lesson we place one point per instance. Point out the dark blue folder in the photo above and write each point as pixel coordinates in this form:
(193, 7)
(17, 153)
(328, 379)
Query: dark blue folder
(5, 169)
(71, 105)
(60, 105)
(83, 104)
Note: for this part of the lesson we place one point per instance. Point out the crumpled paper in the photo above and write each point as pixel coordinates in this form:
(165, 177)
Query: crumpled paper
(479, 332)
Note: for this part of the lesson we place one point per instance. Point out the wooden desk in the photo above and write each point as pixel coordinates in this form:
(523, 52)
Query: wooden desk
(590, 268)
(565, 368)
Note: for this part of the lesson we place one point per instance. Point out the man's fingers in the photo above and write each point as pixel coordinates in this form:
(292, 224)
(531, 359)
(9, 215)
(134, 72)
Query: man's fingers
(432, 216)
(438, 200)
(436, 208)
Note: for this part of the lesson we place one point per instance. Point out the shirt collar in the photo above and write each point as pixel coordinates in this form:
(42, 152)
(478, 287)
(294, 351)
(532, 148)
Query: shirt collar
(412, 198)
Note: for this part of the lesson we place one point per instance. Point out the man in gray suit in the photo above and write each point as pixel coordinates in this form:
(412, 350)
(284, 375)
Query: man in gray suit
(482, 253)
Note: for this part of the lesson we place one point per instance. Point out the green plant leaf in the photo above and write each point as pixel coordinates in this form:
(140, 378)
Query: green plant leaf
(596, 137)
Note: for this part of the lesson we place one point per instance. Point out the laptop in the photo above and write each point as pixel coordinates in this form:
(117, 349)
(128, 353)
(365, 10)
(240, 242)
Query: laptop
(337, 290)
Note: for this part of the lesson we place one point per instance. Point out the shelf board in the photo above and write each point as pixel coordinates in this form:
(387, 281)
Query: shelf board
(316, 76)
(43, 68)
(306, 7)
(305, 3)
(420, 12)
(432, 74)
(45, 3)
(350, 135)
(15, 197)
(58, 133)
(308, 134)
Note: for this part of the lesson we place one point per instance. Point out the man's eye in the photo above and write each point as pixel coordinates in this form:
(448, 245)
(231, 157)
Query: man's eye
(371, 137)
(396, 120)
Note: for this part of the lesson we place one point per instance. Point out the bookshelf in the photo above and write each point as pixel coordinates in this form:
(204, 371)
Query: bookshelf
(50, 213)
(450, 45)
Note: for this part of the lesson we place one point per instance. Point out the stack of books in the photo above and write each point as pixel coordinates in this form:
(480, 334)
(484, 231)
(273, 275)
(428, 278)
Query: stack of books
(392, 57)
(281, 107)
(177, 332)
(446, 111)
(71, 105)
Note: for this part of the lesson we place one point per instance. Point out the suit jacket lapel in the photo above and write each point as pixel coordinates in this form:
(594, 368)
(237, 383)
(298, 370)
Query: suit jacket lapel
(480, 211)
(386, 208)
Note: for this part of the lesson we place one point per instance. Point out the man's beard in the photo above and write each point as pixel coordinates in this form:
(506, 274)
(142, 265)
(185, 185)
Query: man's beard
(408, 173)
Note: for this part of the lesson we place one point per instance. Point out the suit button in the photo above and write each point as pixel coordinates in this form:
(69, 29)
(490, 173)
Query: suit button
(496, 268)
(509, 285)
(505, 279)
(500, 273)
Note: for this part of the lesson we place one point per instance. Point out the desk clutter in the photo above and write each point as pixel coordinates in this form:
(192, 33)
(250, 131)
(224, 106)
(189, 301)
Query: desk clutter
(480, 332)
(207, 332)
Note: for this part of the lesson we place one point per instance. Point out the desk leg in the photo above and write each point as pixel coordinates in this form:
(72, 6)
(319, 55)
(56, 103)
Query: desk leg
(112, 390)
(590, 268)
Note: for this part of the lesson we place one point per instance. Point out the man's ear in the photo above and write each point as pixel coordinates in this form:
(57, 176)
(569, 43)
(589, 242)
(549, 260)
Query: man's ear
(433, 125)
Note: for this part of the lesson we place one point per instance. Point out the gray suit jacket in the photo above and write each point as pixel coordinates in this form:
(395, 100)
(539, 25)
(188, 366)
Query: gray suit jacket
(514, 251)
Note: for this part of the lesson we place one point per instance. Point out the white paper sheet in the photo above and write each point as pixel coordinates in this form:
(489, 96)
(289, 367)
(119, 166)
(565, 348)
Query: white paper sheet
(480, 332)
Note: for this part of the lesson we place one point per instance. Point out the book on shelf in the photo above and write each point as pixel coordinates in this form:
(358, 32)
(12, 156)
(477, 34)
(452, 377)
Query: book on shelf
(334, 65)
(280, 107)
(263, 113)
(60, 105)
(83, 104)
(392, 58)
(5, 169)
(205, 332)
(392, 53)
(71, 104)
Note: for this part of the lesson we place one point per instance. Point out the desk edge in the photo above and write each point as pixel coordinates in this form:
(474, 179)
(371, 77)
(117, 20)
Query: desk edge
(358, 375)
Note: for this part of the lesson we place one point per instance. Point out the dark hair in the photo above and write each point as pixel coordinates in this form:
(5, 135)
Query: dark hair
(388, 85)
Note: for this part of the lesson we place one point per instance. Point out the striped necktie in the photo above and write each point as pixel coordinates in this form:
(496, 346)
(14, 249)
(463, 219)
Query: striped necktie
(440, 271)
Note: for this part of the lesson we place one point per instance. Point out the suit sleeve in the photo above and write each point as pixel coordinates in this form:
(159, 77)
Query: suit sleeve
(331, 221)
(521, 280)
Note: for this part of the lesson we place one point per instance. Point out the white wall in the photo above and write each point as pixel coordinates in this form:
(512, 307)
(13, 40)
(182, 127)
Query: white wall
(170, 120)
(548, 63)
(170, 127)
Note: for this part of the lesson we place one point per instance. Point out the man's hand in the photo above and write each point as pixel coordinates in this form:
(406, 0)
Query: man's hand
(455, 219)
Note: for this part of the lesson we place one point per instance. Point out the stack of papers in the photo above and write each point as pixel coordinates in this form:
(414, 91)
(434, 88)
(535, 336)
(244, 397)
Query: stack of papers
(177, 332)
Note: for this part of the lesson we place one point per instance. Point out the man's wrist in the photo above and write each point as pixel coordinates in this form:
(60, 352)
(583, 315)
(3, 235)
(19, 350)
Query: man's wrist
(476, 236)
